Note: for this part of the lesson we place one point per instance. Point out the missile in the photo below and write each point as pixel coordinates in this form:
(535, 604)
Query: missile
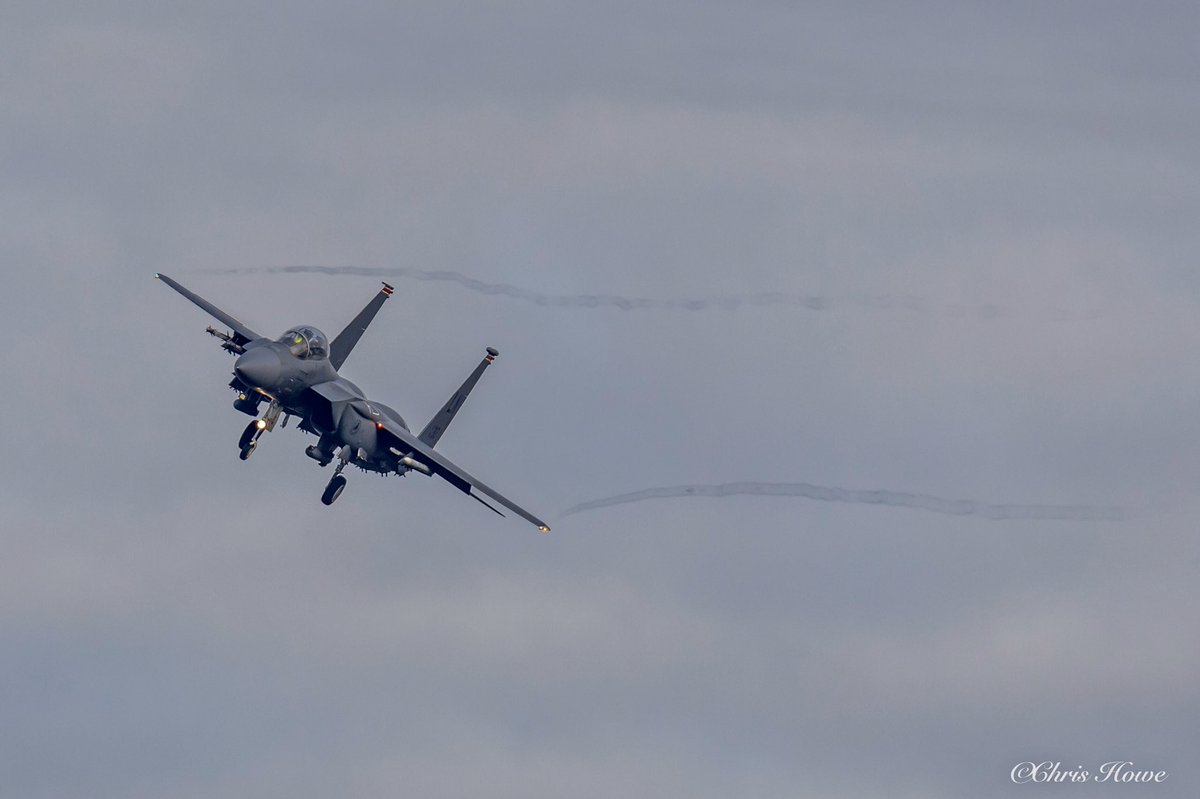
(411, 463)
(414, 464)
(229, 345)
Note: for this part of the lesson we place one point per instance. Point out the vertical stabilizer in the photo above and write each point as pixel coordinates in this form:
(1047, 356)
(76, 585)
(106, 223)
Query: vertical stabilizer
(438, 424)
(345, 341)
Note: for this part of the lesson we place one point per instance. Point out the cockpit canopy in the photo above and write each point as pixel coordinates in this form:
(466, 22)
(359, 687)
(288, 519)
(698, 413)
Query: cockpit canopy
(306, 342)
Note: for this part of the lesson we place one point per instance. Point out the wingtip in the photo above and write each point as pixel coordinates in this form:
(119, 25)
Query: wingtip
(543, 528)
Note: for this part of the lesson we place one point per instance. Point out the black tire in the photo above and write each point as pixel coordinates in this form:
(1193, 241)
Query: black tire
(247, 436)
(334, 489)
(248, 450)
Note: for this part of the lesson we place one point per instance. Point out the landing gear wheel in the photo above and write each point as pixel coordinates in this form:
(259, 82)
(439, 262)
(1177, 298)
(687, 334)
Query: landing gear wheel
(248, 449)
(334, 489)
(248, 436)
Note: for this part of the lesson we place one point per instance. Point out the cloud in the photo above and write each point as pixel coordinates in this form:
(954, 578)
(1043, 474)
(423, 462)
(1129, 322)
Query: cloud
(783, 240)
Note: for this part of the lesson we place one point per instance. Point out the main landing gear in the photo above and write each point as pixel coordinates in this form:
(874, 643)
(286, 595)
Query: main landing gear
(337, 483)
(334, 490)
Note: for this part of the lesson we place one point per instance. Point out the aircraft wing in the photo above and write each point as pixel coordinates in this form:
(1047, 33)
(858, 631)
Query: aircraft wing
(405, 442)
(241, 333)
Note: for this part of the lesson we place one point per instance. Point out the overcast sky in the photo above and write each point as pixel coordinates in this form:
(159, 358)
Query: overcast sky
(991, 209)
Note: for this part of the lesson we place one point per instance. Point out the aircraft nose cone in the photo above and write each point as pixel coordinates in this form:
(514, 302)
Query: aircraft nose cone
(258, 367)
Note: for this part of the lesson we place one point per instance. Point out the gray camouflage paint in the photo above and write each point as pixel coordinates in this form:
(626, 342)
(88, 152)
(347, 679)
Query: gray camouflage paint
(177, 623)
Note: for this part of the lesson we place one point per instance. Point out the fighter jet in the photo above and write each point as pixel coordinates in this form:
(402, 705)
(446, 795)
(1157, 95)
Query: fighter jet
(296, 375)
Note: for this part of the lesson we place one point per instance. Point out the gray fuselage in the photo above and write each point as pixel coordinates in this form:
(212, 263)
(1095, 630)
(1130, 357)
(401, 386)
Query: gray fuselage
(295, 372)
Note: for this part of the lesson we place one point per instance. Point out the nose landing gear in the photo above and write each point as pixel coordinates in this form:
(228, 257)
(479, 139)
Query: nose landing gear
(249, 440)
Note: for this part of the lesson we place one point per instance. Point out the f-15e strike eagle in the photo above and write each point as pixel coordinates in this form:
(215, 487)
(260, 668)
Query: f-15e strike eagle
(297, 375)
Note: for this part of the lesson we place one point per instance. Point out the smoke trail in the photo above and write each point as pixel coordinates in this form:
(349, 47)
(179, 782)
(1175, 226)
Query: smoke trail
(951, 507)
(910, 303)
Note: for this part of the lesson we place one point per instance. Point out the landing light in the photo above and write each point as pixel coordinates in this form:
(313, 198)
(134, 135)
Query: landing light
(261, 424)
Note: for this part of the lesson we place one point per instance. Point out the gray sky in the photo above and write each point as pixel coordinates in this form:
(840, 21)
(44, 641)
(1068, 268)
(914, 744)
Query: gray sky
(177, 623)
